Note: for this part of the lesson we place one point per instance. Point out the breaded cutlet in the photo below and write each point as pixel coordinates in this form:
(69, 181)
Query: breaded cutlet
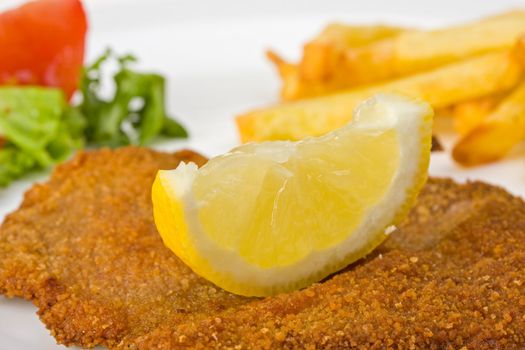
(84, 249)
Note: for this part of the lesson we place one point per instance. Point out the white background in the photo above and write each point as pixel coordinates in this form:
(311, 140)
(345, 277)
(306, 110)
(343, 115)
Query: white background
(213, 55)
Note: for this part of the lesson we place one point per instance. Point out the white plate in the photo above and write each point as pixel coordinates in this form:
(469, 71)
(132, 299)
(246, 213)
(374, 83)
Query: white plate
(212, 54)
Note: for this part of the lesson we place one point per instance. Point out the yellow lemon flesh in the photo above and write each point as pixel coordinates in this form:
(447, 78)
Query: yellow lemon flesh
(276, 216)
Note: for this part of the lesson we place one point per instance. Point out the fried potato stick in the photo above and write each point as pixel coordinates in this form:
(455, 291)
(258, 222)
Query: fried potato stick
(468, 115)
(480, 76)
(413, 52)
(324, 53)
(294, 86)
(313, 75)
(497, 134)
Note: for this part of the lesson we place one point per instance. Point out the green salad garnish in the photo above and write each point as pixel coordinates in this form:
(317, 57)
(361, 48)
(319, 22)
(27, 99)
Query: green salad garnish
(134, 115)
(38, 128)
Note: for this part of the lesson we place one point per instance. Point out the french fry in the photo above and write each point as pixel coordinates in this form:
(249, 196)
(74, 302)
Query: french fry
(293, 85)
(408, 52)
(345, 36)
(327, 49)
(443, 112)
(497, 134)
(417, 51)
(469, 114)
(323, 54)
(284, 68)
(488, 74)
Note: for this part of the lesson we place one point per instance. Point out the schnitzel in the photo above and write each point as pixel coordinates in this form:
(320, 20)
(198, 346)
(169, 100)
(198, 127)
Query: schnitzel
(84, 249)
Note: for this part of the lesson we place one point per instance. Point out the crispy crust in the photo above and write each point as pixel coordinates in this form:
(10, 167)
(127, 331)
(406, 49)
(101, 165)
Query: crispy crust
(83, 247)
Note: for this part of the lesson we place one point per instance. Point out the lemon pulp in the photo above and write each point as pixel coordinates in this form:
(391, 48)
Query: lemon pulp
(309, 201)
(275, 216)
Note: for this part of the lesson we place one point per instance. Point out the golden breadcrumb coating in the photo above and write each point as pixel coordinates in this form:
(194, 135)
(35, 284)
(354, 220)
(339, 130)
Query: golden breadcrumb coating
(84, 249)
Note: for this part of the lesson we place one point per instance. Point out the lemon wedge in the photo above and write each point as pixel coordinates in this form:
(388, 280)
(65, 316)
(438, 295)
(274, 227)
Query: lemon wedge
(276, 216)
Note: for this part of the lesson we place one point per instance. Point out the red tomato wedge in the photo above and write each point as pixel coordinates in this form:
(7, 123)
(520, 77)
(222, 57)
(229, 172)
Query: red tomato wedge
(42, 43)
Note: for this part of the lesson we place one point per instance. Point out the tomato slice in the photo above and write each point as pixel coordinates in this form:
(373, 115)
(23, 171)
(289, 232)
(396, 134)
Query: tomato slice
(42, 43)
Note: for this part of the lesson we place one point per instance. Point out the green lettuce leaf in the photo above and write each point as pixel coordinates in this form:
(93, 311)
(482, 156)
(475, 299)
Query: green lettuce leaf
(36, 130)
(14, 163)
